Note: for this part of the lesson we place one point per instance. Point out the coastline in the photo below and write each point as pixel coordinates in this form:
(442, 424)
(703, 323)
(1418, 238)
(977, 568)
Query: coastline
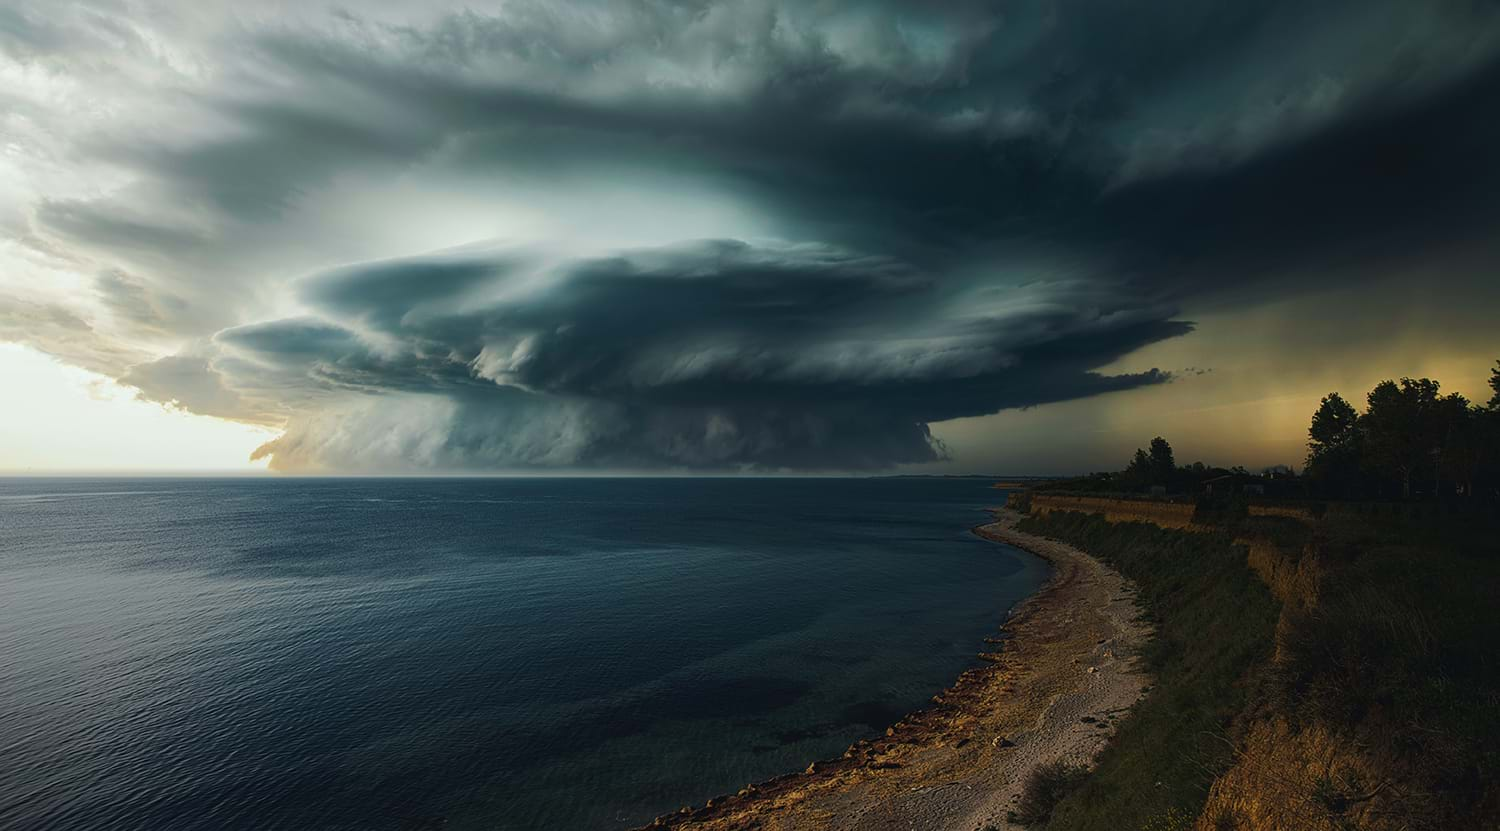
(1055, 691)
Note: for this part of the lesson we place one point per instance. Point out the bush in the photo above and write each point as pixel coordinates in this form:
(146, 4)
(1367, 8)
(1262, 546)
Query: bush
(1044, 788)
(1172, 819)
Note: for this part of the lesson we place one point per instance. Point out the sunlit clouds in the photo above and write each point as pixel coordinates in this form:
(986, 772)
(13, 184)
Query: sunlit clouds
(75, 421)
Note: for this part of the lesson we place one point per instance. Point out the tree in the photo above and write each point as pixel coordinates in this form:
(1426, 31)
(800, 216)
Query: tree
(1402, 431)
(1138, 472)
(1464, 442)
(1486, 434)
(1162, 464)
(1485, 427)
(1335, 426)
(1333, 445)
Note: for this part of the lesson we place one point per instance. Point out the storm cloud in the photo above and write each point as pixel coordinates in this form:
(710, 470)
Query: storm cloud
(712, 353)
(706, 235)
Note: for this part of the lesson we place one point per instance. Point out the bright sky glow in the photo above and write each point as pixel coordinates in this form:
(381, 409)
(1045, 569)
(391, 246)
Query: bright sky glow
(72, 420)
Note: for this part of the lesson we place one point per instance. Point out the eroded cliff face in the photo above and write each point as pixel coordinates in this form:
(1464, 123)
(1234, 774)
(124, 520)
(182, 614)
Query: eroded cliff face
(1298, 769)
(1294, 769)
(1175, 515)
(1295, 773)
(1293, 578)
(1305, 777)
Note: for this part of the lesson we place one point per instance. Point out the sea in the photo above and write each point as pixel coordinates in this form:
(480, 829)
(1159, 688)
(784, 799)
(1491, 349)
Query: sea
(481, 653)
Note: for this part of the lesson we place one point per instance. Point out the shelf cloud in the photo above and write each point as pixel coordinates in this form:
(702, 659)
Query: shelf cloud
(710, 353)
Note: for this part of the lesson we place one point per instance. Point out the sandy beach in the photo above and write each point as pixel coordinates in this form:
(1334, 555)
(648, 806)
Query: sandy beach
(1059, 680)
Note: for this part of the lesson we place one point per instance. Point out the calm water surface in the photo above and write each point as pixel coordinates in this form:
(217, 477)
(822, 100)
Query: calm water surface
(479, 653)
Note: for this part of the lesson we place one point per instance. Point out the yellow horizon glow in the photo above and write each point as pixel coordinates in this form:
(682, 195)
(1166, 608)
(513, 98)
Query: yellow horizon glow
(1264, 369)
(63, 419)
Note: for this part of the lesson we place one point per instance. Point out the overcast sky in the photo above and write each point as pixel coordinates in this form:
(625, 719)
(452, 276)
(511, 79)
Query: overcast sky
(733, 236)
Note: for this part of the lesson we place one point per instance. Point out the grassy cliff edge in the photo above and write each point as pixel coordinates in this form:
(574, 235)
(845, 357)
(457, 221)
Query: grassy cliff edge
(1316, 674)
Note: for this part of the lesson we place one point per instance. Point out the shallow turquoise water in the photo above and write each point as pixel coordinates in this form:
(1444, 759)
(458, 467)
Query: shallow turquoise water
(466, 653)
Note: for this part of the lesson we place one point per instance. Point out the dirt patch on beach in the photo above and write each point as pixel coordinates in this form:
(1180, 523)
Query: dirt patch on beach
(1065, 676)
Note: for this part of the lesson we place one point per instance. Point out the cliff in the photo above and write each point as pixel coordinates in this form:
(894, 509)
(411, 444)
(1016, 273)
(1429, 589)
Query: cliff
(1376, 707)
(1161, 513)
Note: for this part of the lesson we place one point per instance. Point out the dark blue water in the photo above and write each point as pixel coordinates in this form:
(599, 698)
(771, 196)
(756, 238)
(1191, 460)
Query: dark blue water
(493, 653)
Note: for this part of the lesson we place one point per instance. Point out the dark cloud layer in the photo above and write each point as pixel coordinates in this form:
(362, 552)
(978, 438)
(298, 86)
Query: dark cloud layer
(713, 353)
(975, 207)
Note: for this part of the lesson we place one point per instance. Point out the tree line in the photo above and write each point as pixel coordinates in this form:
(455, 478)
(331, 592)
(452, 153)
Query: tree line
(1411, 440)
(1155, 467)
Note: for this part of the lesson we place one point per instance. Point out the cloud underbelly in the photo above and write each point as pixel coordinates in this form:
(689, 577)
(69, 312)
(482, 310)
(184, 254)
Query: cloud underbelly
(429, 432)
(708, 354)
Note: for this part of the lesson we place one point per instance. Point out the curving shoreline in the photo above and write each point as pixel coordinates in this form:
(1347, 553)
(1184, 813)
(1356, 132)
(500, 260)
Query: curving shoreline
(1054, 692)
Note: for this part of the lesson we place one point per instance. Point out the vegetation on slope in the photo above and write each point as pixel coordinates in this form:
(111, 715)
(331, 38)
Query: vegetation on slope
(1381, 706)
(1215, 624)
(1400, 656)
(1393, 664)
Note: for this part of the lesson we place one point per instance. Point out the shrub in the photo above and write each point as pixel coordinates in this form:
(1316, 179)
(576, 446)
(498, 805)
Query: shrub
(1172, 819)
(1044, 788)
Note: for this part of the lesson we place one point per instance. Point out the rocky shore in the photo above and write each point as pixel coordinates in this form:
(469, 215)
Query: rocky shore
(1061, 679)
